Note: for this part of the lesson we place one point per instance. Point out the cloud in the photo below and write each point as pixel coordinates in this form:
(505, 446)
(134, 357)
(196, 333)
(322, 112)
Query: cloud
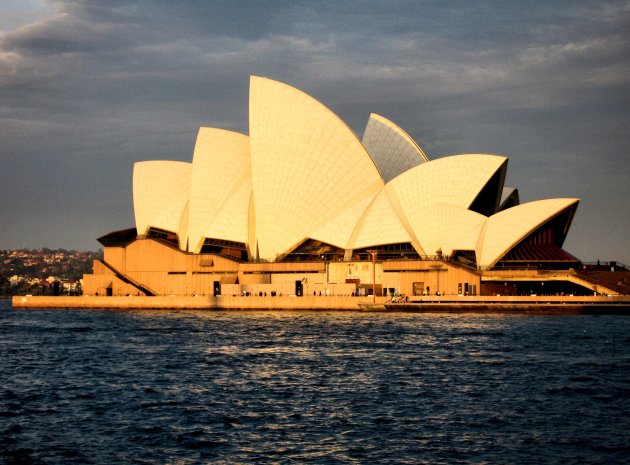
(94, 86)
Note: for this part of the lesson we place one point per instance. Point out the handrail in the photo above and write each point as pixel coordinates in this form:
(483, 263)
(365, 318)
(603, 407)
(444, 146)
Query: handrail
(599, 282)
(128, 280)
(610, 263)
(344, 259)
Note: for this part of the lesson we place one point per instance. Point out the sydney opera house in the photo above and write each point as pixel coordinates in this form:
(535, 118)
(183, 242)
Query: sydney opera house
(303, 206)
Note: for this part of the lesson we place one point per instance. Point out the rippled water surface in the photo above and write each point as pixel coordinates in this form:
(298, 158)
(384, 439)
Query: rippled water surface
(184, 387)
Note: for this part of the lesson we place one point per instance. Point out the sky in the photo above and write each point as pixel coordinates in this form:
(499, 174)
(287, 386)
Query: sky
(88, 87)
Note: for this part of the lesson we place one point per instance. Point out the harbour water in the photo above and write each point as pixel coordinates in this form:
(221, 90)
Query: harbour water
(230, 387)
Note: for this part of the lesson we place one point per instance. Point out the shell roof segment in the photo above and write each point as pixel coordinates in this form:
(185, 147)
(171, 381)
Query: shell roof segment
(507, 228)
(509, 198)
(379, 225)
(338, 231)
(161, 191)
(220, 187)
(459, 228)
(307, 166)
(391, 148)
(418, 193)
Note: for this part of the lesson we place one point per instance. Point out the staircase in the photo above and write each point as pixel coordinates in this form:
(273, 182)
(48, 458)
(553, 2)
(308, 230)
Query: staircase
(616, 281)
(587, 281)
(126, 279)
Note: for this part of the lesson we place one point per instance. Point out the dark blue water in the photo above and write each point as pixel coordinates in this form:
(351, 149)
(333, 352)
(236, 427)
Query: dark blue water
(187, 387)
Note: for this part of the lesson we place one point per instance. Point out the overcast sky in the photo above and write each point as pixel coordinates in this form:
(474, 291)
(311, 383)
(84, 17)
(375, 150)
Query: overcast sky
(88, 87)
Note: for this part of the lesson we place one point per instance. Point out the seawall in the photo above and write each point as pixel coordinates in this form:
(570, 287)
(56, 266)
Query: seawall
(446, 304)
(196, 302)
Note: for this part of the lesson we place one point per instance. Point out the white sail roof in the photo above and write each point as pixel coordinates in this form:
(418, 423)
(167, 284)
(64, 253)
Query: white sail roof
(391, 148)
(507, 228)
(455, 181)
(220, 188)
(307, 166)
(161, 191)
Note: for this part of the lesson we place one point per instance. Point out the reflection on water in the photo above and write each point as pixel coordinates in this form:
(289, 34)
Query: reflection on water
(312, 387)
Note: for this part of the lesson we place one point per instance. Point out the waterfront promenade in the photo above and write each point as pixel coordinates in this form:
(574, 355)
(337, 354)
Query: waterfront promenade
(285, 302)
(486, 304)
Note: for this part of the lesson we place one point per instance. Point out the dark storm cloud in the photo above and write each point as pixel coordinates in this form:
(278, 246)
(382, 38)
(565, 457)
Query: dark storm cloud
(98, 85)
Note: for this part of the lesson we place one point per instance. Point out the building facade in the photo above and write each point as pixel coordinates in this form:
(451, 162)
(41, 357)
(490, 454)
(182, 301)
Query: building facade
(301, 205)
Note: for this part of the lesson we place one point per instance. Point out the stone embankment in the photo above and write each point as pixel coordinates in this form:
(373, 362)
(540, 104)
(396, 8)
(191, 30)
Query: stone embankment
(444, 304)
(196, 302)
